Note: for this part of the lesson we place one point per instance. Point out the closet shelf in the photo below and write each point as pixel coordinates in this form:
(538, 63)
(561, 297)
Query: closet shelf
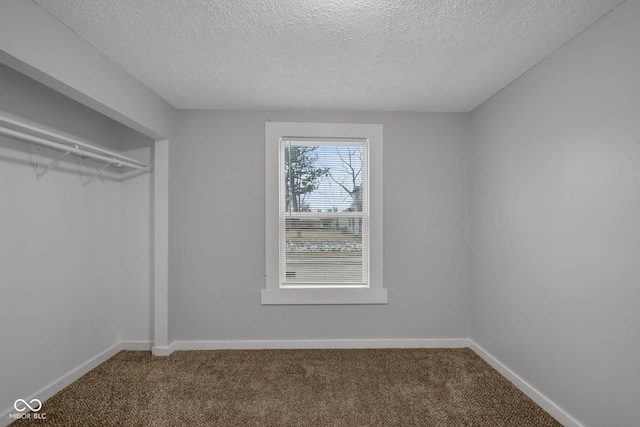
(22, 130)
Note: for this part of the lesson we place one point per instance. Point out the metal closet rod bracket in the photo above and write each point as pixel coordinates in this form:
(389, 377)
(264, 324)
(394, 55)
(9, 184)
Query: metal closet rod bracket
(54, 163)
(86, 181)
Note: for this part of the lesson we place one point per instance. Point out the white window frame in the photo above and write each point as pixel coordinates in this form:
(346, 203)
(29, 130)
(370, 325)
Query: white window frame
(276, 294)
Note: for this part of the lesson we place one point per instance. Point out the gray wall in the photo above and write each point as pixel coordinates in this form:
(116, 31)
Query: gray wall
(556, 223)
(61, 264)
(217, 260)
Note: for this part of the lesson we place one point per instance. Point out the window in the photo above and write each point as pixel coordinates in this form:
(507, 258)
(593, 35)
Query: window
(323, 214)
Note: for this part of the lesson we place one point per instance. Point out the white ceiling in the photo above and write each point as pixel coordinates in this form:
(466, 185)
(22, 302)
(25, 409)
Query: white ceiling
(365, 55)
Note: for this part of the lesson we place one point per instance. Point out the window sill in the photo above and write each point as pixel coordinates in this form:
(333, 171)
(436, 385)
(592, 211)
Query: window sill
(316, 296)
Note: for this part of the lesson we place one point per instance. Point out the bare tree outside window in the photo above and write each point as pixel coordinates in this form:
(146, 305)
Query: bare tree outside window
(349, 175)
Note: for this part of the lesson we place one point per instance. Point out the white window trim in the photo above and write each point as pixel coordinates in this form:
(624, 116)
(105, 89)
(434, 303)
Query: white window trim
(273, 293)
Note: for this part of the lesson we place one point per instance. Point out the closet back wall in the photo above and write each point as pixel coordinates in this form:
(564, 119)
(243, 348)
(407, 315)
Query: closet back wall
(60, 250)
(217, 253)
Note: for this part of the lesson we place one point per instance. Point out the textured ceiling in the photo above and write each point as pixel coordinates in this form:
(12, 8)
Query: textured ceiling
(366, 55)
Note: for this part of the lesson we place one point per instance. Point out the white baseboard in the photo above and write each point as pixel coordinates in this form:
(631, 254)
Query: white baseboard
(320, 344)
(557, 412)
(164, 351)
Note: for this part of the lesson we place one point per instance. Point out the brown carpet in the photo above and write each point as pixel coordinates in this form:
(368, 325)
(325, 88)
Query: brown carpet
(379, 387)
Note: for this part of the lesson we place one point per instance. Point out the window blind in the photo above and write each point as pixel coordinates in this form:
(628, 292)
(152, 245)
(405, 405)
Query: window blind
(324, 213)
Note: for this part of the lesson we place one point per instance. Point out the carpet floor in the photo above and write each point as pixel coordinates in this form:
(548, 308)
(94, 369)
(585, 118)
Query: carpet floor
(372, 387)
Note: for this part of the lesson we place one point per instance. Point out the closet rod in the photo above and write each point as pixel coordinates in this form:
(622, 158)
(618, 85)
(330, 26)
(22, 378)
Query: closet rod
(79, 148)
